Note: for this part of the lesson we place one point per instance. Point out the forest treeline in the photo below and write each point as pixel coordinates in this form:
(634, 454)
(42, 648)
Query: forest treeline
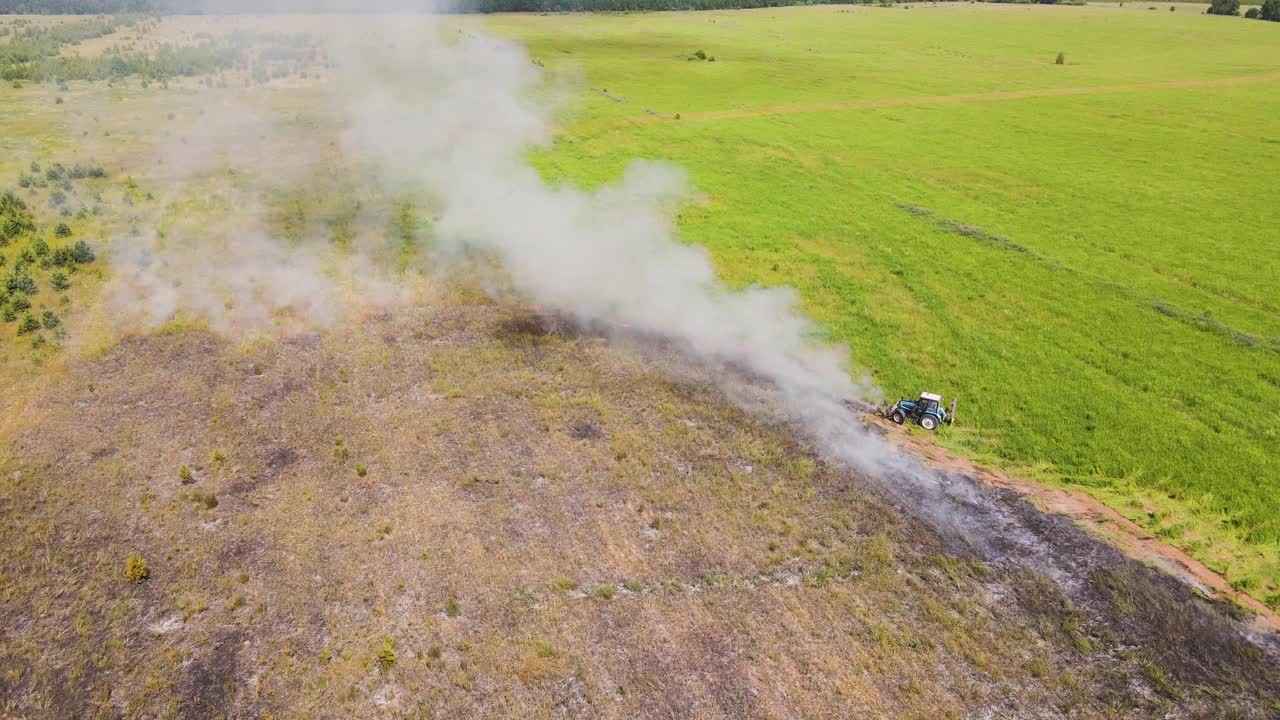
(98, 7)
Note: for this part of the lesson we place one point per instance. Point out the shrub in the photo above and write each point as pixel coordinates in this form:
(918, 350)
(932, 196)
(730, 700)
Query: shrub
(57, 198)
(9, 314)
(184, 474)
(361, 470)
(63, 230)
(19, 281)
(59, 281)
(1061, 60)
(49, 319)
(1224, 7)
(40, 247)
(1252, 14)
(135, 569)
(700, 54)
(387, 654)
(452, 608)
(82, 253)
(28, 324)
(20, 303)
(1270, 11)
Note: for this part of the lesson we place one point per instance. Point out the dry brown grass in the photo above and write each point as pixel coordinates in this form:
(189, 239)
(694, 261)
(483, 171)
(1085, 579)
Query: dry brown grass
(548, 527)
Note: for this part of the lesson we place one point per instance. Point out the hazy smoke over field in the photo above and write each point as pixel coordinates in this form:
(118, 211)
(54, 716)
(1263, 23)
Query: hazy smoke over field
(458, 115)
(451, 115)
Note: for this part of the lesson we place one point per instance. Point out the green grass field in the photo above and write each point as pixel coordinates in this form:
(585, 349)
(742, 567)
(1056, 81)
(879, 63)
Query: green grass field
(1095, 273)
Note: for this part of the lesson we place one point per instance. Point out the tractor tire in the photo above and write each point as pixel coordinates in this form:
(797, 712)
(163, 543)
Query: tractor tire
(929, 422)
(898, 417)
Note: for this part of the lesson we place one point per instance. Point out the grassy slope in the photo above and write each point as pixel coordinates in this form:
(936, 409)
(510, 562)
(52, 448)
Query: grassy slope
(1115, 204)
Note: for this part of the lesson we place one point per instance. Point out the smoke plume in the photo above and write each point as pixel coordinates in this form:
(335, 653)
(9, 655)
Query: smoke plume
(451, 116)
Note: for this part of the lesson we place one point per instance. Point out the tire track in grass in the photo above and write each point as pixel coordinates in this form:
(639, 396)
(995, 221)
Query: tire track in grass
(710, 115)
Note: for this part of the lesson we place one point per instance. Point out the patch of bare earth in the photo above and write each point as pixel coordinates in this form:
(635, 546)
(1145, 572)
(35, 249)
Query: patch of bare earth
(452, 512)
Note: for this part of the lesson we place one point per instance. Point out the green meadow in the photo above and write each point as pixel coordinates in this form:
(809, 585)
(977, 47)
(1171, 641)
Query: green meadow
(1087, 254)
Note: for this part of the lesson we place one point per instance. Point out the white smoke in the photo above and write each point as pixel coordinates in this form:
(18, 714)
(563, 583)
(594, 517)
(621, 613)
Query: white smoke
(452, 116)
(458, 115)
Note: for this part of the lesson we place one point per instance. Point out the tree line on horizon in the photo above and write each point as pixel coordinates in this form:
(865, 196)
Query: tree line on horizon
(199, 7)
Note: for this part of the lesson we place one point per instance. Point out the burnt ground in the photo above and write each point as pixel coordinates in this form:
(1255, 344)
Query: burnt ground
(450, 512)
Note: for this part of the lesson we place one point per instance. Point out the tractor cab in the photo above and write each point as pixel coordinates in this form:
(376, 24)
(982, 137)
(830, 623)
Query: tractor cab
(927, 411)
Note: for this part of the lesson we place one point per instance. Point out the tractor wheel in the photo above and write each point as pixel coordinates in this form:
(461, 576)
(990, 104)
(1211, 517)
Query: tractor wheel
(928, 422)
(898, 417)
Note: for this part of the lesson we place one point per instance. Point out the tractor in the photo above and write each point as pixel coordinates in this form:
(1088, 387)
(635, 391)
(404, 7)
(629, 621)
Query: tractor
(927, 411)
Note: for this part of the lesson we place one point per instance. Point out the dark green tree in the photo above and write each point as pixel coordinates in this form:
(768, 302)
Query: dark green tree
(1224, 7)
(1270, 11)
(28, 324)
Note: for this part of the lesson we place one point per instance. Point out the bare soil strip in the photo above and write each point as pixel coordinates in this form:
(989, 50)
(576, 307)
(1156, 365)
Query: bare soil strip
(916, 100)
(1125, 535)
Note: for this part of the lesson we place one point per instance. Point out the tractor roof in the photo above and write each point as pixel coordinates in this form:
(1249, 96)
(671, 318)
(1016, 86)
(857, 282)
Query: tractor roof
(930, 396)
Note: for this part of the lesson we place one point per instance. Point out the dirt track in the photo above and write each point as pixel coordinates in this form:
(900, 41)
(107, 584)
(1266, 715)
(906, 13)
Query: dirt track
(650, 119)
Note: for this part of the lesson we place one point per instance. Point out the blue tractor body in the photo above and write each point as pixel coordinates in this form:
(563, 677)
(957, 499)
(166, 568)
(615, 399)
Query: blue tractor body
(927, 411)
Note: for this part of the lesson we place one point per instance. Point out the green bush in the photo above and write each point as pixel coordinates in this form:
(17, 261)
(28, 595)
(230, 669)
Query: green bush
(63, 230)
(1252, 14)
(19, 281)
(82, 253)
(1270, 11)
(1224, 7)
(49, 320)
(1061, 60)
(135, 569)
(387, 654)
(184, 474)
(28, 324)
(59, 281)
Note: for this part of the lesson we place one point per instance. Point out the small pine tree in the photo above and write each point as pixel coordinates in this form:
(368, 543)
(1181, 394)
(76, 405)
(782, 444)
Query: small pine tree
(1062, 59)
(82, 253)
(49, 319)
(28, 324)
(59, 281)
(63, 230)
